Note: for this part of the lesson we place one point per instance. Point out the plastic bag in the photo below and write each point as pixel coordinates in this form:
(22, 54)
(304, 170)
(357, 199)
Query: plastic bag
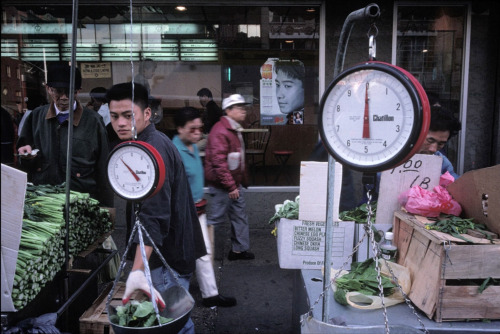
(365, 302)
(431, 203)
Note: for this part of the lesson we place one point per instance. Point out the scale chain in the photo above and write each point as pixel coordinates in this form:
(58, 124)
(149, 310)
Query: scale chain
(375, 249)
(369, 231)
(337, 274)
(147, 271)
(407, 299)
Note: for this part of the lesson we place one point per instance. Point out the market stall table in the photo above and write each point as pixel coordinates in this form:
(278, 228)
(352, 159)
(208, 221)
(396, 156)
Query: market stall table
(308, 286)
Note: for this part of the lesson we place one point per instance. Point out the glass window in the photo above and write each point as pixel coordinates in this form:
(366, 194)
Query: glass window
(192, 49)
(430, 44)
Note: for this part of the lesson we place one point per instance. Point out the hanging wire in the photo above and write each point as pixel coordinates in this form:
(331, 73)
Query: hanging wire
(134, 128)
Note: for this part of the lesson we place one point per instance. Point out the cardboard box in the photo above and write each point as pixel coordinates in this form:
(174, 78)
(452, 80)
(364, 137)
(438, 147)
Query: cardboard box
(13, 195)
(301, 244)
(442, 268)
(478, 192)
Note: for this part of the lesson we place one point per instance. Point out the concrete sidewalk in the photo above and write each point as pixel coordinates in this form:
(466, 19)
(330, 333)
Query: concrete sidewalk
(264, 291)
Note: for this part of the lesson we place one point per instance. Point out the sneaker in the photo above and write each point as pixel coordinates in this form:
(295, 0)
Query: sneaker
(240, 256)
(219, 301)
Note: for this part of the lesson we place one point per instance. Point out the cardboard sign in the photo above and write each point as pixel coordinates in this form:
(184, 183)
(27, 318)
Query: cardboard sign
(421, 170)
(313, 190)
(301, 244)
(13, 195)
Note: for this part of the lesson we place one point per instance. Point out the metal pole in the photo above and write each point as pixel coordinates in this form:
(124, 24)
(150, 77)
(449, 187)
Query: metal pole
(70, 142)
(372, 11)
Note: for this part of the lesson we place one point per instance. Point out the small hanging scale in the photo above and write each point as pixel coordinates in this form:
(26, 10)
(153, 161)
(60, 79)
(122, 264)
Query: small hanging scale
(374, 116)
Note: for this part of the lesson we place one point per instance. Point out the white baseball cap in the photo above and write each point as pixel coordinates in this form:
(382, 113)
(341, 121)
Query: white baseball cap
(232, 100)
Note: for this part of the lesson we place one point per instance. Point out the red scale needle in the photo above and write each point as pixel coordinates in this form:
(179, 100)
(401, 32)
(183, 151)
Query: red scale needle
(366, 119)
(131, 171)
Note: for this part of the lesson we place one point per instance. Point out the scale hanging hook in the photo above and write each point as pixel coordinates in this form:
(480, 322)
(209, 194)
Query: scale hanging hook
(372, 43)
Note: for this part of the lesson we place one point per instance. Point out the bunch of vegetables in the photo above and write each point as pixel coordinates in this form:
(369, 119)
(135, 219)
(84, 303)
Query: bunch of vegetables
(289, 210)
(41, 249)
(137, 314)
(362, 278)
(457, 226)
(359, 214)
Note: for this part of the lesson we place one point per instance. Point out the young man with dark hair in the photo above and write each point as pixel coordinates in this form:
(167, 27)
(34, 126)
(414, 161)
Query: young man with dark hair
(169, 216)
(189, 129)
(289, 80)
(212, 113)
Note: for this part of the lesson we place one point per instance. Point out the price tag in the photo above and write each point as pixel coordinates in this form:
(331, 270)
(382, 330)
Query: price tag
(421, 170)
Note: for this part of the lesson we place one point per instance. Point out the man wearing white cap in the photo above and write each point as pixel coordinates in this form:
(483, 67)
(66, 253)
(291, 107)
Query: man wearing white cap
(226, 176)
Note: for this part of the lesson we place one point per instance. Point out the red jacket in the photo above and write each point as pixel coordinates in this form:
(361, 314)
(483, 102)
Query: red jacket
(222, 140)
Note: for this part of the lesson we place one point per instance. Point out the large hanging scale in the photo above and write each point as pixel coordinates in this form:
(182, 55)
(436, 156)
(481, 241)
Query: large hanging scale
(135, 170)
(374, 116)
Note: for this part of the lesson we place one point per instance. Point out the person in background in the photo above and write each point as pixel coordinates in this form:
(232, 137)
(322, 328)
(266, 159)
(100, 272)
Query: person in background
(33, 101)
(147, 68)
(226, 176)
(212, 112)
(46, 129)
(7, 134)
(169, 216)
(189, 128)
(98, 103)
(443, 126)
(289, 80)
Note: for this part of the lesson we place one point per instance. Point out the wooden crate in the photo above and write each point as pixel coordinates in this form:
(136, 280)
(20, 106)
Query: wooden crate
(95, 319)
(441, 268)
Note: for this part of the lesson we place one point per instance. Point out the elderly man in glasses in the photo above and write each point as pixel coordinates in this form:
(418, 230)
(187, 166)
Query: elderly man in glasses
(43, 141)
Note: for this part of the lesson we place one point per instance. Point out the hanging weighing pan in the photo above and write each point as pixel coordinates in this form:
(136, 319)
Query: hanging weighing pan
(178, 306)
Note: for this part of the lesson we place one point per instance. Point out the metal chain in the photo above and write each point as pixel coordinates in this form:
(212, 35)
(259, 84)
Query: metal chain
(405, 296)
(376, 252)
(337, 274)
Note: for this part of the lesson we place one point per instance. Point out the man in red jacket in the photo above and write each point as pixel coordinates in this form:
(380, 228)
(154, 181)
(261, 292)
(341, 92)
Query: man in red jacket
(225, 174)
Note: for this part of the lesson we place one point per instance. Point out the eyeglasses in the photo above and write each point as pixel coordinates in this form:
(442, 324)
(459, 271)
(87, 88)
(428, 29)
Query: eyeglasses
(194, 129)
(60, 91)
(432, 141)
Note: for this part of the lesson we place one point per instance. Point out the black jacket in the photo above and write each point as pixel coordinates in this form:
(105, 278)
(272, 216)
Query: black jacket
(170, 216)
(89, 153)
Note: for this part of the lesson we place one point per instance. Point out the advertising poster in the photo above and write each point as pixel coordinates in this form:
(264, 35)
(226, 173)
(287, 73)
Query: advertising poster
(282, 92)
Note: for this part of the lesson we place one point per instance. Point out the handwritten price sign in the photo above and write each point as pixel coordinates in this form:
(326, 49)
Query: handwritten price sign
(421, 170)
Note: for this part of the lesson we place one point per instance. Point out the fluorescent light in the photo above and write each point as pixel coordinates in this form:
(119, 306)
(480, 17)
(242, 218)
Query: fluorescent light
(181, 8)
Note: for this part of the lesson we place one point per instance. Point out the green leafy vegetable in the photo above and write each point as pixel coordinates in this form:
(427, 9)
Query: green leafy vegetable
(362, 278)
(137, 314)
(289, 210)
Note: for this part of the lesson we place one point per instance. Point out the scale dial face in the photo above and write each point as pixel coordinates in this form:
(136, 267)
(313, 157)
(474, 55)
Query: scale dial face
(134, 171)
(371, 117)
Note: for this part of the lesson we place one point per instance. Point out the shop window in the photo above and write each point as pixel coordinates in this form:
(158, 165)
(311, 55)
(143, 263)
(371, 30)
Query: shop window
(193, 49)
(430, 43)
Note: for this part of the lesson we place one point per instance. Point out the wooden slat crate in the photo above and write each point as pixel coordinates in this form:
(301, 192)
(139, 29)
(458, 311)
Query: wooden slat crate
(441, 268)
(95, 319)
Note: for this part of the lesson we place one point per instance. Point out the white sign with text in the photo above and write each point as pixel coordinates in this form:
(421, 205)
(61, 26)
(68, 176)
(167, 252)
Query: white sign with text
(421, 170)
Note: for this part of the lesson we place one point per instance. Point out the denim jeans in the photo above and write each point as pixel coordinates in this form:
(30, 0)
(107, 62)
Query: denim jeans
(162, 280)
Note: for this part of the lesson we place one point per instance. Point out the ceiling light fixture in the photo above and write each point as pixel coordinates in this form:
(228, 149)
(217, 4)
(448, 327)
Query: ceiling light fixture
(310, 10)
(181, 8)
(289, 41)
